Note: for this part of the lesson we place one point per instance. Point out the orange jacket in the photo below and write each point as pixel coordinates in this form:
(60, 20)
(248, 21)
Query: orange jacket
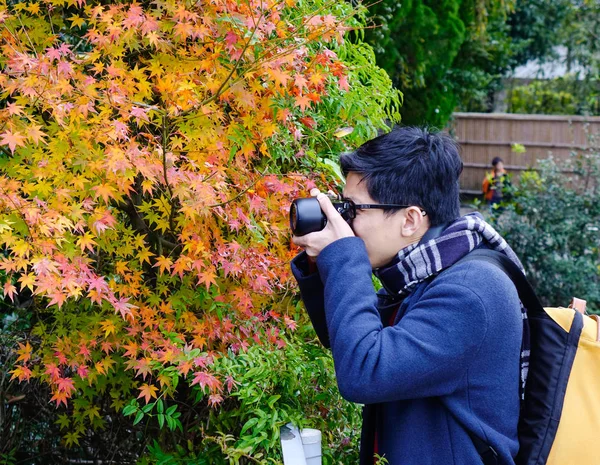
(489, 184)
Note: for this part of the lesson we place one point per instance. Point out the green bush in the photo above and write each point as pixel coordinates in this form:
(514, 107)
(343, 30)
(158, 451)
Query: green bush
(553, 224)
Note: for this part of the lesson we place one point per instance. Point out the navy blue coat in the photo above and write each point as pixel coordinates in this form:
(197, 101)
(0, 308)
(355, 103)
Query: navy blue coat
(447, 367)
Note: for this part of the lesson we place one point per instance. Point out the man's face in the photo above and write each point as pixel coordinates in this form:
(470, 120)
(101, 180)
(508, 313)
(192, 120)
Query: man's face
(383, 235)
(499, 166)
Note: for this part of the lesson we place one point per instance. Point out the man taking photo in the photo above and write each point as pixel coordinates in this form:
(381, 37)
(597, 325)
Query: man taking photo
(439, 363)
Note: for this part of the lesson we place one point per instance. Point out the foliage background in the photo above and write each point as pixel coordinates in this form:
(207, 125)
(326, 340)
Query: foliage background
(552, 222)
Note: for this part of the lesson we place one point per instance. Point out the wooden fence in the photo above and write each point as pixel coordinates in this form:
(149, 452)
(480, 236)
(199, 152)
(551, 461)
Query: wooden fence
(483, 136)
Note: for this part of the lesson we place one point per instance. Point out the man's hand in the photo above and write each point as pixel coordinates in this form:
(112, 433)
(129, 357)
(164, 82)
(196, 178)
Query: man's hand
(336, 228)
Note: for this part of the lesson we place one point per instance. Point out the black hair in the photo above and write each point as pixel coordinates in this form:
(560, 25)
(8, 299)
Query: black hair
(497, 160)
(411, 166)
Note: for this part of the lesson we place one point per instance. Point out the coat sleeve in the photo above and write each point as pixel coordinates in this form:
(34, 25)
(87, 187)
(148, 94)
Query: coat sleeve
(427, 353)
(311, 290)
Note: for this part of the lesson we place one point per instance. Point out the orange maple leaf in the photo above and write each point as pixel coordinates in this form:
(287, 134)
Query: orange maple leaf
(302, 101)
(207, 277)
(164, 263)
(280, 77)
(21, 372)
(60, 397)
(148, 391)
(105, 191)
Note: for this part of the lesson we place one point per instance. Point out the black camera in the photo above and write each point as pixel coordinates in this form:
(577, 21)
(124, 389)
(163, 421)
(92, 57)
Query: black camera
(306, 215)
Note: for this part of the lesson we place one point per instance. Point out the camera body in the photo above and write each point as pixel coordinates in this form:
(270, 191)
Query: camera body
(306, 215)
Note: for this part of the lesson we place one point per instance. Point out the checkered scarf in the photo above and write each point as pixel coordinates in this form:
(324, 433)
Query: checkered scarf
(418, 262)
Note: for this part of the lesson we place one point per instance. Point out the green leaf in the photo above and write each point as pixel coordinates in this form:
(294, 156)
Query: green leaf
(171, 410)
(138, 417)
(272, 400)
(129, 410)
(249, 424)
(148, 407)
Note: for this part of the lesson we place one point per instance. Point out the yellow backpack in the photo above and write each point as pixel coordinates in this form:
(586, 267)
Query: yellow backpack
(560, 415)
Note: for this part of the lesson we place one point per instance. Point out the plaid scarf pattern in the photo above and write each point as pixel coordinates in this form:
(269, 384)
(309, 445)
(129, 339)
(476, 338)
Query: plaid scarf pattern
(419, 262)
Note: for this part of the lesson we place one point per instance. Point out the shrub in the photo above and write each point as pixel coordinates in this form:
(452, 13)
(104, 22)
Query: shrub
(552, 224)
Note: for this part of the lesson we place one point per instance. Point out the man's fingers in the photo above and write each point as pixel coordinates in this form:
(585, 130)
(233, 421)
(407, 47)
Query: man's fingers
(327, 207)
(314, 192)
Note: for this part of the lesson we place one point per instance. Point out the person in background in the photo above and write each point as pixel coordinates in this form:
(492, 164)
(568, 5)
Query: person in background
(495, 182)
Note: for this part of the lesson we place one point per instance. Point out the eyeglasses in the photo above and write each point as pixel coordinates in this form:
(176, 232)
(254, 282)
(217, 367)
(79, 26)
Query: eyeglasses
(347, 208)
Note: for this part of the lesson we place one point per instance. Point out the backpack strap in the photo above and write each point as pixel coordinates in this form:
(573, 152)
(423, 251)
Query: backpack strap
(529, 300)
(526, 292)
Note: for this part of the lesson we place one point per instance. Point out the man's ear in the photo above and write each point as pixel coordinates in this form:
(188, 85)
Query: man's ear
(414, 222)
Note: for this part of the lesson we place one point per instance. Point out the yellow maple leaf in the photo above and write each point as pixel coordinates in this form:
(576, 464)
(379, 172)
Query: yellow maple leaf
(86, 242)
(27, 280)
(34, 8)
(76, 21)
(24, 352)
(108, 327)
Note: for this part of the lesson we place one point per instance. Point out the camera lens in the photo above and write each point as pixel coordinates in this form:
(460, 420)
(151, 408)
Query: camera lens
(306, 216)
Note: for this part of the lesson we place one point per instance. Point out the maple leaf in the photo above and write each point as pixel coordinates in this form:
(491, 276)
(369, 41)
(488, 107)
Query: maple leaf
(66, 385)
(123, 306)
(147, 391)
(53, 371)
(280, 77)
(82, 371)
(9, 290)
(108, 327)
(204, 379)
(24, 352)
(290, 323)
(14, 109)
(105, 191)
(300, 81)
(302, 101)
(57, 297)
(184, 367)
(317, 78)
(72, 437)
(86, 242)
(343, 83)
(132, 349)
(143, 367)
(230, 383)
(21, 372)
(308, 121)
(12, 139)
(106, 347)
(60, 397)
(164, 380)
(215, 399)
(207, 277)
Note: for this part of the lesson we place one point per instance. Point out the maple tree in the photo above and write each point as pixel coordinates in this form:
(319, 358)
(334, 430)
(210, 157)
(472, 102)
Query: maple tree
(149, 153)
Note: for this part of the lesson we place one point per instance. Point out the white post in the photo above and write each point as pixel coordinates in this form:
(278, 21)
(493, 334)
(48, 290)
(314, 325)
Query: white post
(291, 445)
(300, 447)
(311, 441)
